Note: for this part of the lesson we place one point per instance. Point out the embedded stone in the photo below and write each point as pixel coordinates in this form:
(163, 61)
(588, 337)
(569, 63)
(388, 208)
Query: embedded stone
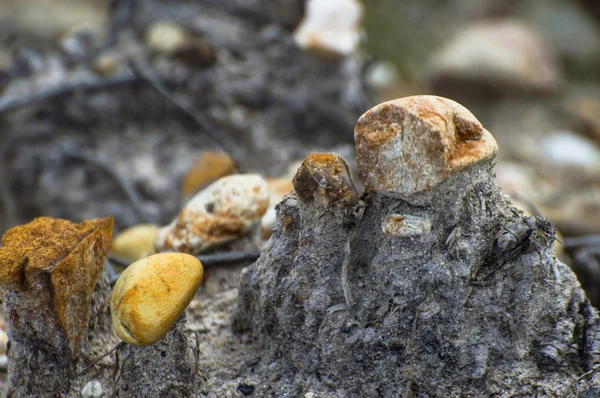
(52, 265)
(324, 179)
(151, 294)
(223, 212)
(135, 243)
(412, 144)
(330, 27)
(209, 167)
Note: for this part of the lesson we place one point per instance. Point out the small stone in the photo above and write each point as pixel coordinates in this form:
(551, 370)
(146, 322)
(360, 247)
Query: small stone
(412, 144)
(324, 180)
(245, 389)
(503, 55)
(330, 28)
(223, 212)
(209, 167)
(165, 37)
(56, 263)
(196, 51)
(92, 389)
(106, 63)
(151, 294)
(135, 243)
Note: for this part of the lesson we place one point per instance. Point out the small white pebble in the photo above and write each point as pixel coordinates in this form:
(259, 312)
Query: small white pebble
(309, 395)
(3, 362)
(93, 389)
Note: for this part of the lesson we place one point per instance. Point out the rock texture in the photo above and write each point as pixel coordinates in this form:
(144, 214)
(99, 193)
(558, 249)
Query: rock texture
(456, 293)
(56, 302)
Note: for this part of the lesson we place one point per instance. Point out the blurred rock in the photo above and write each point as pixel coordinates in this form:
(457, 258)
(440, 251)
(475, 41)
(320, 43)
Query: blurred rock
(493, 57)
(585, 112)
(209, 167)
(330, 28)
(135, 243)
(106, 63)
(224, 211)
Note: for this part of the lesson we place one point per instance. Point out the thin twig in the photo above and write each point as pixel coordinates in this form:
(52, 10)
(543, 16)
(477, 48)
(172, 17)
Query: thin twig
(10, 102)
(64, 383)
(207, 260)
(125, 186)
(148, 75)
(586, 240)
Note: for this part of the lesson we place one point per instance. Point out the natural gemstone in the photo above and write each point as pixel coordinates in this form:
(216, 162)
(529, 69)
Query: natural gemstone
(135, 243)
(323, 179)
(151, 294)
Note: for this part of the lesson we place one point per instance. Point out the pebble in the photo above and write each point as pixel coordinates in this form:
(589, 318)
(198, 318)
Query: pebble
(224, 211)
(135, 243)
(330, 28)
(151, 294)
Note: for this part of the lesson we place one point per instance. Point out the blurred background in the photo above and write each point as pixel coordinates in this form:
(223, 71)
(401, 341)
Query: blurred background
(129, 107)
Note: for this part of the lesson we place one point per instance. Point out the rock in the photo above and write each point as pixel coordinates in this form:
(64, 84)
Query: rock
(151, 294)
(92, 389)
(56, 299)
(221, 213)
(564, 149)
(324, 180)
(330, 27)
(500, 56)
(3, 342)
(106, 63)
(456, 292)
(135, 243)
(444, 139)
(165, 37)
(209, 167)
(278, 188)
(173, 40)
(53, 265)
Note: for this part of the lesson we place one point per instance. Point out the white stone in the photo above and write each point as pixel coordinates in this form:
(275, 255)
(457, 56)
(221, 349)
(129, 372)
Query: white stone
(330, 27)
(93, 389)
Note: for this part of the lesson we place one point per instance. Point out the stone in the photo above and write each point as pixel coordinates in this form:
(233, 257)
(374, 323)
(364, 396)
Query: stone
(54, 265)
(457, 293)
(151, 294)
(135, 242)
(500, 55)
(412, 144)
(92, 389)
(106, 63)
(224, 211)
(330, 28)
(209, 167)
(324, 180)
(165, 37)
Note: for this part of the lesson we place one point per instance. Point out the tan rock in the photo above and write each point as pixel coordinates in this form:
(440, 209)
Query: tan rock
(106, 63)
(224, 211)
(54, 264)
(209, 167)
(330, 27)
(151, 294)
(324, 179)
(3, 342)
(135, 243)
(422, 140)
(504, 54)
(165, 37)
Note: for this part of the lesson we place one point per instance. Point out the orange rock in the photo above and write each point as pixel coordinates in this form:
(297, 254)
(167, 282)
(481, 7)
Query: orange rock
(57, 259)
(278, 188)
(324, 179)
(209, 167)
(412, 144)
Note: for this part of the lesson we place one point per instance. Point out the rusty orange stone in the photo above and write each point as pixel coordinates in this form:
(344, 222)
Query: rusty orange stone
(324, 179)
(59, 259)
(209, 167)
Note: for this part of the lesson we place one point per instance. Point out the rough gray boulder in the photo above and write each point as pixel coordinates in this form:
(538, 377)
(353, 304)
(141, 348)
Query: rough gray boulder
(452, 291)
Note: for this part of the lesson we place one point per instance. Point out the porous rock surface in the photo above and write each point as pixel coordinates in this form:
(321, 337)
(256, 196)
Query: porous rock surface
(455, 292)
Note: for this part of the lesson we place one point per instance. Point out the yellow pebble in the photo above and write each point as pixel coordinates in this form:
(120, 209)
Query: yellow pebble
(135, 242)
(151, 294)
